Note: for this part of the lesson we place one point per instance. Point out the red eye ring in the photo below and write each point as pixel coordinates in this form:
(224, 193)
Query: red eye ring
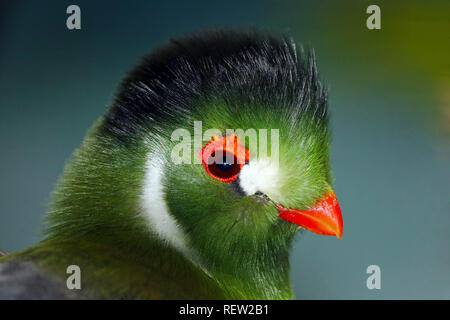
(224, 148)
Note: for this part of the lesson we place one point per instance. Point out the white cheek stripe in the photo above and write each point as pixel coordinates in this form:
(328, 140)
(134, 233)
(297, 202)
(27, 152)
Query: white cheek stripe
(155, 208)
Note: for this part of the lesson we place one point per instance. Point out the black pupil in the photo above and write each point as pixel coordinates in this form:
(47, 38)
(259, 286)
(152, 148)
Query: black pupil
(225, 169)
(224, 166)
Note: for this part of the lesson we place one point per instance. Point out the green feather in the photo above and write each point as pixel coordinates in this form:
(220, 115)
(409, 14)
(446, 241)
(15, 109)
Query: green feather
(241, 246)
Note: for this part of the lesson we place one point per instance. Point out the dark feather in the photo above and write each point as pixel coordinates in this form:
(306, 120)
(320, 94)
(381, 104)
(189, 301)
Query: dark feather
(231, 64)
(22, 280)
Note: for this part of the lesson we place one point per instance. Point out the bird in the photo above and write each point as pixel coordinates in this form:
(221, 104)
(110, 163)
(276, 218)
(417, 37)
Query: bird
(169, 196)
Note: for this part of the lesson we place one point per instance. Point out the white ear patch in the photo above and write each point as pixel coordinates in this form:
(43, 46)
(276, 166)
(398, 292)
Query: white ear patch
(155, 207)
(260, 175)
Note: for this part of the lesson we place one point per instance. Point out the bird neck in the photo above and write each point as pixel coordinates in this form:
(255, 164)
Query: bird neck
(254, 275)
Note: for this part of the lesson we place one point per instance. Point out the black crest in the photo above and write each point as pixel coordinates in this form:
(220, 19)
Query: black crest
(233, 64)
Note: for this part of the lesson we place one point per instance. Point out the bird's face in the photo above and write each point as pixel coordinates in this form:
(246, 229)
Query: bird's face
(230, 197)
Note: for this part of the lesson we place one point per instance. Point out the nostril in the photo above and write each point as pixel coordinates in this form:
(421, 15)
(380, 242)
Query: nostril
(261, 197)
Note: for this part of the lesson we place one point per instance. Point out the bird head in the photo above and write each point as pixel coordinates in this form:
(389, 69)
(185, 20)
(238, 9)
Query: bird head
(219, 144)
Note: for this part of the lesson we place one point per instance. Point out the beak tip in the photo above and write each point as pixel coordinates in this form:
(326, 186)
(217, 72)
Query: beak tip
(323, 218)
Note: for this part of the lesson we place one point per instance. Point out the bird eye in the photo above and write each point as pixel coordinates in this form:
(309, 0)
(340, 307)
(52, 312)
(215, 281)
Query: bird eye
(224, 157)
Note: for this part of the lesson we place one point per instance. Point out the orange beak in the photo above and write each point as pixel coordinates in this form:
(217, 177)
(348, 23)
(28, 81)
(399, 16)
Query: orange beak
(324, 217)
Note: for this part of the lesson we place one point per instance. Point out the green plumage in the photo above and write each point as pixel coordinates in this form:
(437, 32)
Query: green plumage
(241, 246)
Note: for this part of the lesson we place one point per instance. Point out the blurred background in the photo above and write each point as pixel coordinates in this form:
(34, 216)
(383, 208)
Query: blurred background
(389, 101)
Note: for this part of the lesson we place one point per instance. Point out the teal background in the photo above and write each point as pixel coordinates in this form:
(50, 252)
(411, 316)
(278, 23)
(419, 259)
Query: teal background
(389, 100)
